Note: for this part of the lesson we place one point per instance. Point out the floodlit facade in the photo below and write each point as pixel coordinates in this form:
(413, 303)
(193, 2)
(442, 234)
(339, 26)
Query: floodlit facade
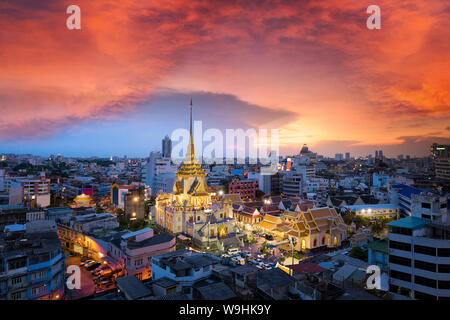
(189, 208)
(318, 227)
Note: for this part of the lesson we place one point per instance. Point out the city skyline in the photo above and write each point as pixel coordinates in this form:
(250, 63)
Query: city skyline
(314, 71)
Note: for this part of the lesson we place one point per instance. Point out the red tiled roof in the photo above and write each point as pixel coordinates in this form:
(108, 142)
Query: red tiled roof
(306, 267)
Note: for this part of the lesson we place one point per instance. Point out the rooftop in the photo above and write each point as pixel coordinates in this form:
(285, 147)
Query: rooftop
(306, 267)
(212, 290)
(132, 287)
(381, 245)
(165, 282)
(409, 223)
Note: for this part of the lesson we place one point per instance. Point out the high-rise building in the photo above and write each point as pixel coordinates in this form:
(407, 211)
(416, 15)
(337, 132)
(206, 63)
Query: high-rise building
(440, 154)
(338, 156)
(291, 184)
(166, 147)
(347, 156)
(160, 173)
(442, 168)
(439, 151)
(419, 250)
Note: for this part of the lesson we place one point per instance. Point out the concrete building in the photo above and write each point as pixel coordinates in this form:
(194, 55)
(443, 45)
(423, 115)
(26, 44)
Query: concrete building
(378, 253)
(442, 168)
(419, 250)
(376, 210)
(159, 173)
(401, 194)
(31, 264)
(94, 222)
(246, 188)
(134, 205)
(135, 250)
(291, 184)
(118, 194)
(166, 147)
(185, 267)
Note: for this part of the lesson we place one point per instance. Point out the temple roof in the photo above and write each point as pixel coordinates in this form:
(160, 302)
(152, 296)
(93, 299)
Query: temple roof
(190, 175)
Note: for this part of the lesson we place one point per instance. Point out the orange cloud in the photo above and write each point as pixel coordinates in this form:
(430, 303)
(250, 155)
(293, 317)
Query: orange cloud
(316, 59)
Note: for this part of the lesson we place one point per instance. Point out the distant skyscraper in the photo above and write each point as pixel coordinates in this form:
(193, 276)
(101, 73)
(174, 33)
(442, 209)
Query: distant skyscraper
(440, 155)
(376, 154)
(347, 156)
(166, 147)
(338, 156)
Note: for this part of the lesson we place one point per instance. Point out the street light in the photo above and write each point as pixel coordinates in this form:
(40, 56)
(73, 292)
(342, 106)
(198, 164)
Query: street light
(293, 242)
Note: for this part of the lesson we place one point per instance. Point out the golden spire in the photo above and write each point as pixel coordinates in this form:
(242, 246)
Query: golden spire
(190, 175)
(190, 156)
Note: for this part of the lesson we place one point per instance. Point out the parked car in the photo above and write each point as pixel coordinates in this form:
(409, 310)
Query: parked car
(247, 253)
(88, 263)
(105, 272)
(268, 237)
(93, 266)
(232, 251)
(106, 283)
(85, 262)
(100, 268)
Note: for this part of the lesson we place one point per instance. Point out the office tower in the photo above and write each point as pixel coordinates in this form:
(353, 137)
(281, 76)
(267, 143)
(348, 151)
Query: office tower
(440, 154)
(166, 147)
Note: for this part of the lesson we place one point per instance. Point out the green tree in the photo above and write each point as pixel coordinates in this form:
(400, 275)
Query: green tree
(123, 222)
(119, 212)
(264, 247)
(359, 253)
(259, 194)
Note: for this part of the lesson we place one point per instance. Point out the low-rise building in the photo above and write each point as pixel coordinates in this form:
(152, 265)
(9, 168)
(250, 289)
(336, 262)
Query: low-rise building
(31, 263)
(318, 227)
(246, 188)
(135, 250)
(183, 266)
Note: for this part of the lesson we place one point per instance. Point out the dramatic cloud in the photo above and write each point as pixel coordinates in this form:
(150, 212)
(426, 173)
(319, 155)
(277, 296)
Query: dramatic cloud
(314, 63)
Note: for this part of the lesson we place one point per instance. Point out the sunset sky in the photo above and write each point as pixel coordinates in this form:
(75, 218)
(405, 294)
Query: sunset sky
(312, 69)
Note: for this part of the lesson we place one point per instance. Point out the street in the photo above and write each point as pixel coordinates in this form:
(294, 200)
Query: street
(87, 282)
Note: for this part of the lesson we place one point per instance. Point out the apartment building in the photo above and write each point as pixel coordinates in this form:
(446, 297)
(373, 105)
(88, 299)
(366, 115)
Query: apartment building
(135, 250)
(185, 267)
(245, 188)
(31, 263)
(419, 250)
(134, 204)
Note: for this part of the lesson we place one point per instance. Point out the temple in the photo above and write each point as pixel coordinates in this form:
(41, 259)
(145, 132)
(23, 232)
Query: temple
(190, 210)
